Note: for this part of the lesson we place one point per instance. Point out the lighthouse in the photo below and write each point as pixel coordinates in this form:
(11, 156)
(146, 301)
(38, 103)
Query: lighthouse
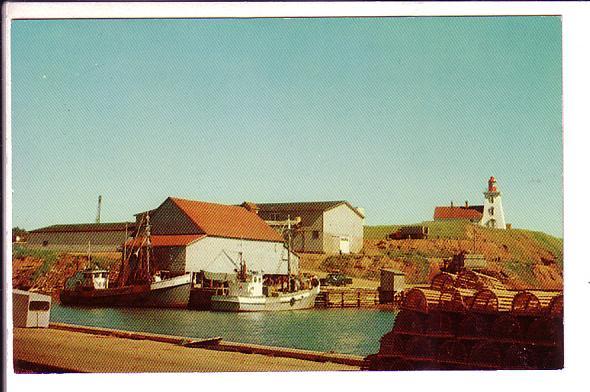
(493, 214)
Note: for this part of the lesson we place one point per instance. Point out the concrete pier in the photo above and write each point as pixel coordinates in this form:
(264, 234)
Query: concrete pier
(105, 351)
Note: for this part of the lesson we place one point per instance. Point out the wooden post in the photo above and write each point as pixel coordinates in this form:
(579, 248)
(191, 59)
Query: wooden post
(342, 300)
(358, 299)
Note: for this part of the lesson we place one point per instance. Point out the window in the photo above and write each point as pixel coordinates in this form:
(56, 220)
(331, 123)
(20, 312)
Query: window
(39, 305)
(315, 234)
(45, 243)
(491, 210)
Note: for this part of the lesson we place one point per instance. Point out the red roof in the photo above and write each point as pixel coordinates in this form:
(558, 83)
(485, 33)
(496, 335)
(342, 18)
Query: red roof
(456, 213)
(167, 240)
(220, 220)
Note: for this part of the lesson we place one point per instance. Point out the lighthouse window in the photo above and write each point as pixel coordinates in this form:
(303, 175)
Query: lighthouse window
(492, 199)
(491, 210)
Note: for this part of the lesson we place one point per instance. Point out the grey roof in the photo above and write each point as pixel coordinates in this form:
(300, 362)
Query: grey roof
(300, 206)
(117, 226)
(309, 211)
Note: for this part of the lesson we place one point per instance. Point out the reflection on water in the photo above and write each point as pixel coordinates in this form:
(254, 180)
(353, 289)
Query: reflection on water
(350, 331)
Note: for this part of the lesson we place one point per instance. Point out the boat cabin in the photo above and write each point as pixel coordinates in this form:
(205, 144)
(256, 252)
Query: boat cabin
(89, 279)
(248, 286)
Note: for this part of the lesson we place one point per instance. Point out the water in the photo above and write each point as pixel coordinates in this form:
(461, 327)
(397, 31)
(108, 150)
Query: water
(349, 331)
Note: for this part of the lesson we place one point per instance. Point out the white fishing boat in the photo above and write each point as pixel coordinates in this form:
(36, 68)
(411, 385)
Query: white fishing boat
(247, 293)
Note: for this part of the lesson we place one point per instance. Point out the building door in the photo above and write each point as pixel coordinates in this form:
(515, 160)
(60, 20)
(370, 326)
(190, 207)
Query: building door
(344, 245)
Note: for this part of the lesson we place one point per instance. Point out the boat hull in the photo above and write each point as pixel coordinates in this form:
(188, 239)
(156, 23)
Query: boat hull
(168, 293)
(291, 301)
(117, 296)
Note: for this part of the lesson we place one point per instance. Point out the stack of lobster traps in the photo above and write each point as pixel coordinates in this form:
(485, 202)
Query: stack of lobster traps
(471, 321)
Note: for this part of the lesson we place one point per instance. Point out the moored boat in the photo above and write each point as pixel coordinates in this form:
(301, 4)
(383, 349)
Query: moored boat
(137, 285)
(90, 288)
(247, 294)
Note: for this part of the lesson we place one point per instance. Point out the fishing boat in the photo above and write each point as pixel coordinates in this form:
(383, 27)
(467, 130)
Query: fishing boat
(137, 284)
(90, 287)
(248, 293)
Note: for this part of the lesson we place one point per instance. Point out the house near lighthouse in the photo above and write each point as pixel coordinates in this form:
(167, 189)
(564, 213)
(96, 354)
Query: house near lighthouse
(490, 214)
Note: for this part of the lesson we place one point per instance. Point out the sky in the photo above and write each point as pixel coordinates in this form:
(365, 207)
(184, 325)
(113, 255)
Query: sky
(395, 115)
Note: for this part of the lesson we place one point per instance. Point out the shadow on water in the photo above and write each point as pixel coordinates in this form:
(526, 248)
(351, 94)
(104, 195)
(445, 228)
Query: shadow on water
(349, 331)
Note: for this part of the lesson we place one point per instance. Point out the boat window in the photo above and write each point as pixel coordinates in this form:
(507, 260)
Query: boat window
(39, 305)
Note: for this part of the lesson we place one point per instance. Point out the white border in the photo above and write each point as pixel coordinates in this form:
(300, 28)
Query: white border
(576, 63)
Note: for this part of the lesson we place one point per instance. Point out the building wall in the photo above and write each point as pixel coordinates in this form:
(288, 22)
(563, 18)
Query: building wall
(221, 255)
(340, 222)
(493, 213)
(169, 219)
(171, 258)
(304, 241)
(100, 241)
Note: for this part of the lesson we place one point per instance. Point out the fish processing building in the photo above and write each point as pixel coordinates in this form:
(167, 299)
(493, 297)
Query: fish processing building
(329, 227)
(193, 236)
(96, 237)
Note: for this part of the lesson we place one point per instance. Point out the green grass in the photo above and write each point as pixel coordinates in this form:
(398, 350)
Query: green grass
(552, 244)
(379, 232)
(442, 229)
(49, 258)
(523, 271)
(103, 262)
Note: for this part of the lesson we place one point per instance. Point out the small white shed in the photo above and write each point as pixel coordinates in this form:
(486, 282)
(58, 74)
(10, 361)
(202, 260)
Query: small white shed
(392, 282)
(30, 310)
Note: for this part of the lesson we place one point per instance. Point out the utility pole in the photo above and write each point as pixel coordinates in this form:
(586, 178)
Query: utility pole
(289, 253)
(98, 210)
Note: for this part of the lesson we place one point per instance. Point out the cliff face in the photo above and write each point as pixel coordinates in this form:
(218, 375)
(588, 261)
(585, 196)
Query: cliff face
(520, 258)
(47, 271)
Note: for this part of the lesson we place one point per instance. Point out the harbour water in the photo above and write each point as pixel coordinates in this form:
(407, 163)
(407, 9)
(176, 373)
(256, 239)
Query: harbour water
(348, 331)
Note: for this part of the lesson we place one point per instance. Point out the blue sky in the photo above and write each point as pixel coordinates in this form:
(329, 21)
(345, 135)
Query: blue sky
(396, 115)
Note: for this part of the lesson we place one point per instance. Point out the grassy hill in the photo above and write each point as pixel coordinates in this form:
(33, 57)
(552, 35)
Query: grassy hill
(448, 229)
(522, 245)
(529, 259)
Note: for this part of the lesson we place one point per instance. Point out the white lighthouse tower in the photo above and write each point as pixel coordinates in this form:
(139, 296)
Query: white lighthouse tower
(493, 214)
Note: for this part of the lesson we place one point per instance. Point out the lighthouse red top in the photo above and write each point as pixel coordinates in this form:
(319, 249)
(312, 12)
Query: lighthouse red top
(492, 184)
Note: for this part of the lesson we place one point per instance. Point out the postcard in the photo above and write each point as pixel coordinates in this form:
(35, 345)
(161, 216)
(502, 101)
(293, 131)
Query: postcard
(295, 191)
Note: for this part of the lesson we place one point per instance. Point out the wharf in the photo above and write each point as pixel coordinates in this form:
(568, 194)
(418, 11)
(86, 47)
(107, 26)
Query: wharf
(64, 348)
(347, 297)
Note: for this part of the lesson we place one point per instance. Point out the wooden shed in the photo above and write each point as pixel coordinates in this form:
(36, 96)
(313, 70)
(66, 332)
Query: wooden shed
(30, 310)
(392, 281)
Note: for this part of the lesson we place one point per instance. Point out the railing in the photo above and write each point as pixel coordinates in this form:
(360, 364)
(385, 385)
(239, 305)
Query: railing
(347, 298)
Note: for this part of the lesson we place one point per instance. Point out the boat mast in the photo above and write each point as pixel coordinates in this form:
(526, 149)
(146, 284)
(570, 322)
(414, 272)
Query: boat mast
(125, 244)
(289, 253)
(148, 244)
(89, 261)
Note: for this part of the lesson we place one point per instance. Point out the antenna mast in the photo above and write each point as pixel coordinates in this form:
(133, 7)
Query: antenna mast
(289, 253)
(98, 210)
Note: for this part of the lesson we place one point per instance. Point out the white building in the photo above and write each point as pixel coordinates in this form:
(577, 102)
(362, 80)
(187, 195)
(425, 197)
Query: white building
(493, 213)
(329, 227)
(193, 236)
